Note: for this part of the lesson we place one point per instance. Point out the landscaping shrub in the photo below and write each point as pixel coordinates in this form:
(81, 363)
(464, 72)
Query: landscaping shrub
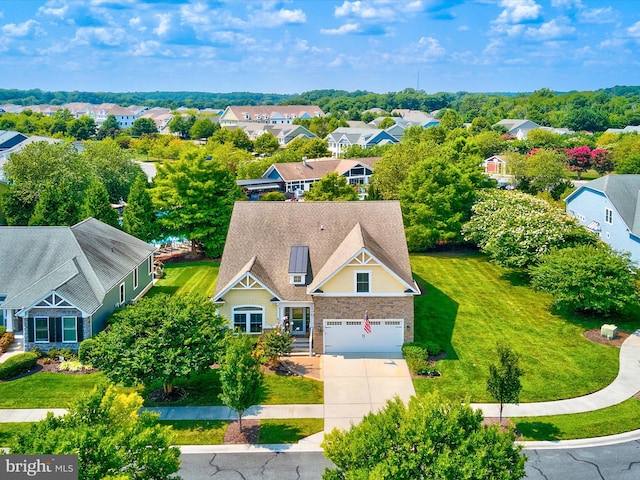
(23, 362)
(2, 330)
(417, 357)
(73, 366)
(6, 339)
(86, 350)
(65, 353)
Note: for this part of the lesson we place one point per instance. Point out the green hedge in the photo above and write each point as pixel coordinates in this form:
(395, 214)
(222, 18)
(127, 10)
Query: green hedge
(2, 329)
(13, 366)
(417, 357)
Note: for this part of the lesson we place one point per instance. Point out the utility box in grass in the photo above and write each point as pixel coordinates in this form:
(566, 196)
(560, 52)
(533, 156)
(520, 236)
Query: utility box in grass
(609, 331)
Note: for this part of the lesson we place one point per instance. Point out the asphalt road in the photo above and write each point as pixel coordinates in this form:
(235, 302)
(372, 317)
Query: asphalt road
(253, 466)
(613, 462)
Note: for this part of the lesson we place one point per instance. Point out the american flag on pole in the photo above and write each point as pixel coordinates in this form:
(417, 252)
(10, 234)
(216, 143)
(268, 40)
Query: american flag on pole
(367, 323)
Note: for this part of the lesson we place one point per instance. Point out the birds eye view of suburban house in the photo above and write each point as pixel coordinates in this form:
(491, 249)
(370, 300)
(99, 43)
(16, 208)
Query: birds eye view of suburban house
(401, 238)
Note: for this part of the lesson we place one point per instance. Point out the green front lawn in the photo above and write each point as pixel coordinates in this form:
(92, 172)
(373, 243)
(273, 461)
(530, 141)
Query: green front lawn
(620, 418)
(184, 278)
(197, 432)
(289, 430)
(468, 304)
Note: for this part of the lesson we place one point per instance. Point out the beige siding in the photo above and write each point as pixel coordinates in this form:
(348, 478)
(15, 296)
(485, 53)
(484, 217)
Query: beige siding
(250, 296)
(381, 280)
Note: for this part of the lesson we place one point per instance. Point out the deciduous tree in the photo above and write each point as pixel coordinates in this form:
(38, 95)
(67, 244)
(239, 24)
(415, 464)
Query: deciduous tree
(160, 339)
(139, 216)
(589, 278)
(503, 383)
(429, 438)
(194, 198)
(110, 436)
(331, 187)
(143, 126)
(266, 143)
(96, 204)
(240, 375)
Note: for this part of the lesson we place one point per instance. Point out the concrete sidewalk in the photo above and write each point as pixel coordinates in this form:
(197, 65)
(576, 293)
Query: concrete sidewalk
(15, 348)
(625, 386)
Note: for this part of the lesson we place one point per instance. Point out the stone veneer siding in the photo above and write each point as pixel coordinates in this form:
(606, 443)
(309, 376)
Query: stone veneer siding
(354, 308)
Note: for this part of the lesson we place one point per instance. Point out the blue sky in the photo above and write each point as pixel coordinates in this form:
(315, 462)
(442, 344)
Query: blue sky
(300, 45)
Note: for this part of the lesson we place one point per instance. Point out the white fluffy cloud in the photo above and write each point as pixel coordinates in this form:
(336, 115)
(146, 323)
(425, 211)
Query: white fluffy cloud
(99, 36)
(634, 30)
(277, 18)
(164, 24)
(20, 29)
(517, 11)
(556, 28)
(345, 29)
(364, 10)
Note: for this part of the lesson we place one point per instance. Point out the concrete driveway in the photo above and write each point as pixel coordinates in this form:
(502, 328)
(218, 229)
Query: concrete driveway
(358, 383)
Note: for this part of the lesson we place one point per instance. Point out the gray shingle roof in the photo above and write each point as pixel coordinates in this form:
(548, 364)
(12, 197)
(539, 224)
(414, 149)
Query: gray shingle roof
(82, 263)
(622, 191)
(333, 231)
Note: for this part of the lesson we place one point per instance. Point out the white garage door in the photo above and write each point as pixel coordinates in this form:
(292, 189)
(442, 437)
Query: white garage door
(348, 336)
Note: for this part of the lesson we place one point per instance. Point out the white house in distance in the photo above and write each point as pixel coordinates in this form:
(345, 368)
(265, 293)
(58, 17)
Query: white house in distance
(273, 114)
(344, 137)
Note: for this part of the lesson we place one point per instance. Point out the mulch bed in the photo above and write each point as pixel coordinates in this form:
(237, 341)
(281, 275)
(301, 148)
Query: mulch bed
(594, 336)
(433, 359)
(250, 432)
(504, 426)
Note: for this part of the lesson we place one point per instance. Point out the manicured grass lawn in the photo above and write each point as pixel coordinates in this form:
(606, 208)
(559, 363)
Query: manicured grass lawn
(289, 430)
(620, 418)
(46, 390)
(197, 432)
(185, 278)
(469, 304)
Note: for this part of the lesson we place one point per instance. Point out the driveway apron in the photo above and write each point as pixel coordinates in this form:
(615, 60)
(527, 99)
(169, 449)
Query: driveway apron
(356, 384)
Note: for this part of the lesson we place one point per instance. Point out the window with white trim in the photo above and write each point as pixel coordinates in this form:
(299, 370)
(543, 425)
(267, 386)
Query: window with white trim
(122, 296)
(608, 215)
(248, 319)
(150, 264)
(135, 278)
(69, 329)
(41, 329)
(363, 282)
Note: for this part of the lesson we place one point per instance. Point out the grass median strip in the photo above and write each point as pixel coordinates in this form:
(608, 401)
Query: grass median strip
(620, 418)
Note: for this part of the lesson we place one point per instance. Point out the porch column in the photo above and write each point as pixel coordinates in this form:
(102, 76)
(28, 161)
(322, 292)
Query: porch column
(8, 317)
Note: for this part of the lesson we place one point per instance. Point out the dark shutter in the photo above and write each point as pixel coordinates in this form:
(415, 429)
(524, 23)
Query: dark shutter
(31, 330)
(80, 328)
(58, 329)
(52, 329)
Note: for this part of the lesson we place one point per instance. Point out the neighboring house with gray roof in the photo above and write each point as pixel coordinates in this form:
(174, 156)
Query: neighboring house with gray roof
(608, 206)
(344, 137)
(58, 285)
(517, 127)
(319, 268)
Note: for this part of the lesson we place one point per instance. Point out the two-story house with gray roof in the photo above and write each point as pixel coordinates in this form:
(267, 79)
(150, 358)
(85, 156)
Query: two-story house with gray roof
(58, 285)
(323, 269)
(608, 206)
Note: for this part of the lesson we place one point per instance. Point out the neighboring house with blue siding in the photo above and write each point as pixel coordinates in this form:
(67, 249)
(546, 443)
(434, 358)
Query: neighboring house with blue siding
(608, 206)
(58, 285)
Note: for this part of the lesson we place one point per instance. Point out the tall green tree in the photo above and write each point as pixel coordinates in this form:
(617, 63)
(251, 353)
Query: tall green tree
(429, 438)
(139, 216)
(332, 187)
(588, 278)
(113, 166)
(436, 200)
(240, 375)
(203, 128)
(266, 143)
(36, 166)
(59, 204)
(504, 383)
(110, 128)
(82, 128)
(96, 204)
(159, 339)
(110, 436)
(143, 126)
(181, 124)
(194, 199)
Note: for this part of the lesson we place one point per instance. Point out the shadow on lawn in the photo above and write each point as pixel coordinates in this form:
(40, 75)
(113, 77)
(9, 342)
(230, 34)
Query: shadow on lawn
(435, 317)
(538, 431)
(157, 290)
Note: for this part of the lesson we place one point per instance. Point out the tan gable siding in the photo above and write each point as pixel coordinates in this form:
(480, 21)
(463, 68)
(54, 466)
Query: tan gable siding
(382, 281)
(250, 296)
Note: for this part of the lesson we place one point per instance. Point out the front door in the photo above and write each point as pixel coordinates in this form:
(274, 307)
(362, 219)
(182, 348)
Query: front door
(298, 320)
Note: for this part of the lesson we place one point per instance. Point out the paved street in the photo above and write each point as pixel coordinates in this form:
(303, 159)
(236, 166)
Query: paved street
(253, 466)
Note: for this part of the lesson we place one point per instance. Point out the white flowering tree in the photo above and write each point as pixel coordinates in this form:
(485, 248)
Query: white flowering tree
(516, 229)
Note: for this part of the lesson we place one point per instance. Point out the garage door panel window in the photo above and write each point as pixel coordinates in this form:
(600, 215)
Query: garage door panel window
(248, 319)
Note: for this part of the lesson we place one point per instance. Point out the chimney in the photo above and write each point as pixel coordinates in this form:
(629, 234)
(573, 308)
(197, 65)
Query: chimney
(304, 161)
